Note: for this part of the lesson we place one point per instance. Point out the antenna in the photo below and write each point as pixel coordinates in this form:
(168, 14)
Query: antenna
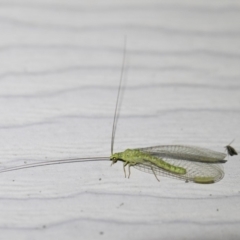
(117, 107)
(54, 162)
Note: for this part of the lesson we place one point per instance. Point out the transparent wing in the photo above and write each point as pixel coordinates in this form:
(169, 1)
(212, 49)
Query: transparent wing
(198, 172)
(185, 152)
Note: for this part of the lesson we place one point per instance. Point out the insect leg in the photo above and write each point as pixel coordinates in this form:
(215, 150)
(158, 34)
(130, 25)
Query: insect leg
(155, 174)
(129, 165)
(124, 165)
(129, 172)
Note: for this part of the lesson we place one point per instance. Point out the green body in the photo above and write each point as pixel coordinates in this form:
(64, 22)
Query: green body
(158, 166)
(134, 156)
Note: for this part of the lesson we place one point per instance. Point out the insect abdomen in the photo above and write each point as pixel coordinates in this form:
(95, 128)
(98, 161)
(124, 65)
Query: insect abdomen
(166, 166)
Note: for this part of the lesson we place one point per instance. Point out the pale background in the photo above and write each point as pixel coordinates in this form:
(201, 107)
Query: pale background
(60, 64)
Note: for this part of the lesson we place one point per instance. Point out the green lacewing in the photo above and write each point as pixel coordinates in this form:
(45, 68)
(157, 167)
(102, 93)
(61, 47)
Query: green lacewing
(189, 163)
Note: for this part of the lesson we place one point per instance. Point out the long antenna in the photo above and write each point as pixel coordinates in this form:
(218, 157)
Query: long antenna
(53, 162)
(114, 127)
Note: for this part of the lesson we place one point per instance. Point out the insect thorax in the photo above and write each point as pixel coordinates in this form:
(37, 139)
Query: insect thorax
(129, 155)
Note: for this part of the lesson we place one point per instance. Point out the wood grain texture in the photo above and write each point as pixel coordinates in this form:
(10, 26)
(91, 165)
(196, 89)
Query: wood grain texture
(60, 66)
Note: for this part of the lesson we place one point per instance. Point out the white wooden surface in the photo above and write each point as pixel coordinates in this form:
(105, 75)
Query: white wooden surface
(59, 71)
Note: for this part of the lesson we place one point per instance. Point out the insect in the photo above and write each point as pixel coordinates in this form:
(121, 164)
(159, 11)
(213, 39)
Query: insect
(188, 163)
(230, 150)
